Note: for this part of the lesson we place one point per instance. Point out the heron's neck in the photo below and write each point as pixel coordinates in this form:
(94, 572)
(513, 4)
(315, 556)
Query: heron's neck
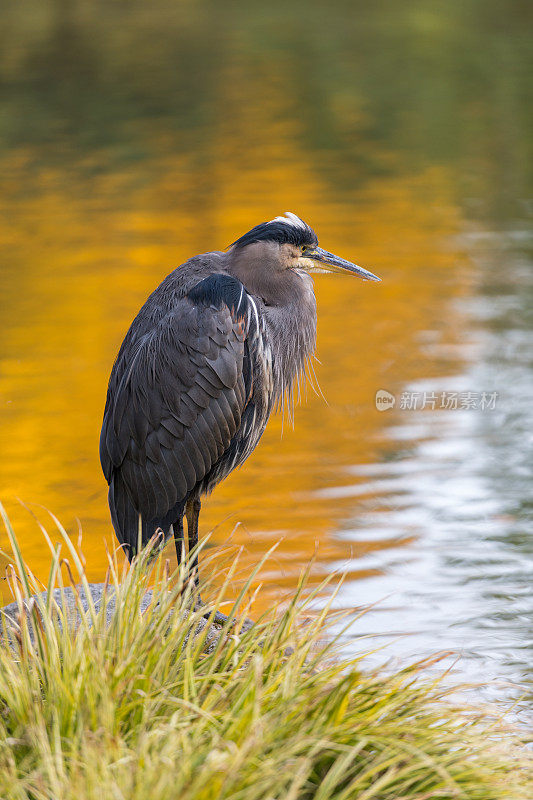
(288, 310)
(262, 277)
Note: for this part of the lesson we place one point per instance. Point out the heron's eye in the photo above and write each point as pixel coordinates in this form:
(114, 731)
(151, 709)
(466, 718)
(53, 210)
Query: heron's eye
(305, 247)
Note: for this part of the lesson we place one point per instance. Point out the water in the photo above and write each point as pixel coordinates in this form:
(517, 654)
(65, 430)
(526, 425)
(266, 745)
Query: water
(128, 143)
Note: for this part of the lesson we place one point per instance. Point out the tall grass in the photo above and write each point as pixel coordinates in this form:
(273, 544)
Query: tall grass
(150, 705)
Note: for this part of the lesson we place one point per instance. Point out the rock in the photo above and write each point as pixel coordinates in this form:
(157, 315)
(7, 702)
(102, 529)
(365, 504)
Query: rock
(10, 619)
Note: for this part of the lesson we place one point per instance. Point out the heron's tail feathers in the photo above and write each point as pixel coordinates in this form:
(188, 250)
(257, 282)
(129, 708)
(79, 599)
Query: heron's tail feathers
(130, 529)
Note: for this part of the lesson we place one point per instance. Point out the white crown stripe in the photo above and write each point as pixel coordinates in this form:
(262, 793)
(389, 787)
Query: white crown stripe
(290, 219)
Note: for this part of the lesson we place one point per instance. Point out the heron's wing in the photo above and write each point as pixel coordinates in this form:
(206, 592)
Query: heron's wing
(176, 397)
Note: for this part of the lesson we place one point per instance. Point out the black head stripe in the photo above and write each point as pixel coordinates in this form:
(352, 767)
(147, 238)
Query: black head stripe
(278, 231)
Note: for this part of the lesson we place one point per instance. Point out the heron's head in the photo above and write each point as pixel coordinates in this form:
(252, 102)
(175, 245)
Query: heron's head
(288, 243)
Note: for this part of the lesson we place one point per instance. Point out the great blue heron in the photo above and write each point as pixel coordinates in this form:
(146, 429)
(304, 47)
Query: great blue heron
(213, 350)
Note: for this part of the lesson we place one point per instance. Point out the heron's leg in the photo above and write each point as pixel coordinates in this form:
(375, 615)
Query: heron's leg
(178, 538)
(193, 512)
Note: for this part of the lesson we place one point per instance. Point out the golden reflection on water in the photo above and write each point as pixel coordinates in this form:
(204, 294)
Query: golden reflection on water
(85, 248)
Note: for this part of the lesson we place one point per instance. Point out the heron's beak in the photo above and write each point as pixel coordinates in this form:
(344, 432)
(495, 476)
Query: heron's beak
(332, 263)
